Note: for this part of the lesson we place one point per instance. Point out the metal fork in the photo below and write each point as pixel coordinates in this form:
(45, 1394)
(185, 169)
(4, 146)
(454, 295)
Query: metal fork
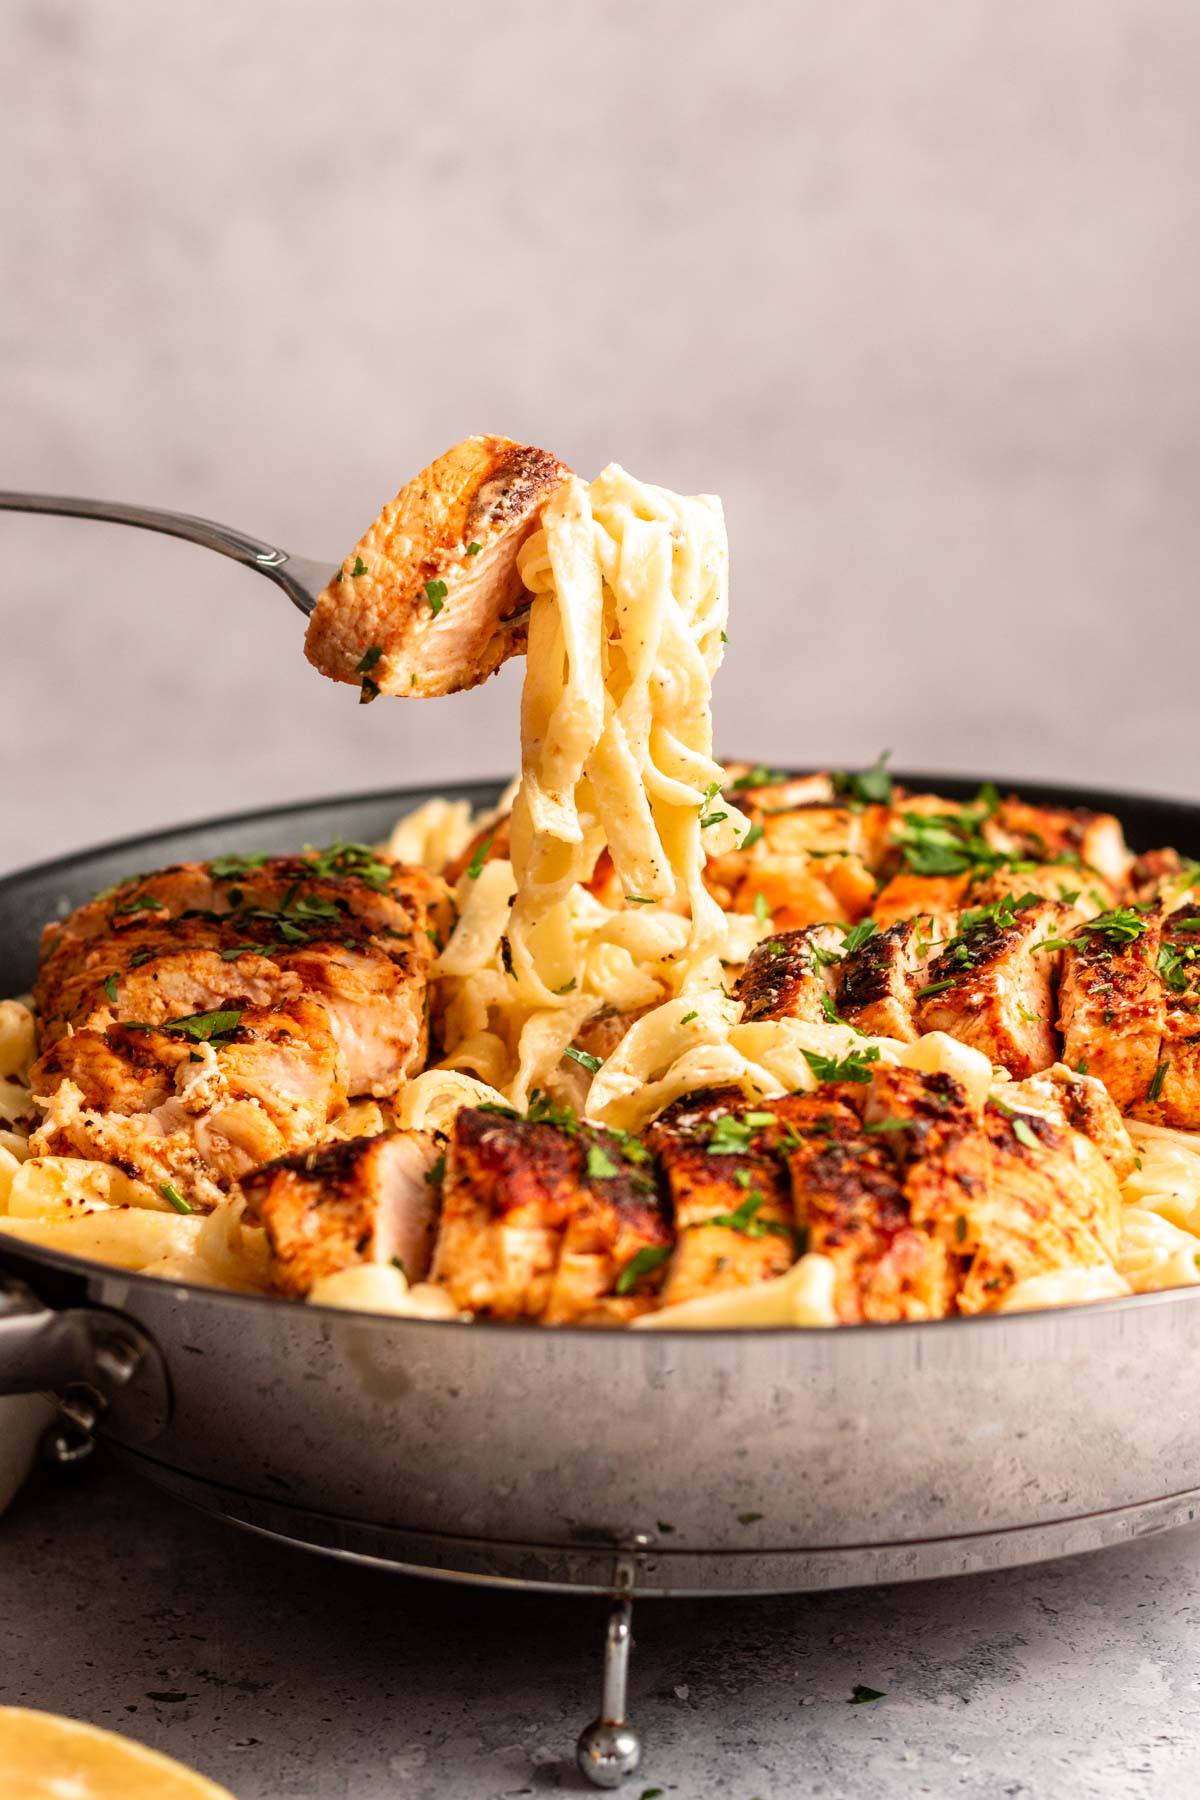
(301, 579)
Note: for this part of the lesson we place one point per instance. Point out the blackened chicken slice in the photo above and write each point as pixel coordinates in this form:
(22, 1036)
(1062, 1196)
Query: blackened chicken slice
(1113, 1005)
(732, 1205)
(879, 980)
(791, 975)
(1053, 1203)
(849, 1200)
(1082, 842)
(992, 984)
(367, 1200)
(1173, 1097)
(932, 1132)
(544, 1221)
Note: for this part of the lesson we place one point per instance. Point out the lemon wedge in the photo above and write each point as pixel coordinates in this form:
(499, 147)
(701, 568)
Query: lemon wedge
(44, 1757)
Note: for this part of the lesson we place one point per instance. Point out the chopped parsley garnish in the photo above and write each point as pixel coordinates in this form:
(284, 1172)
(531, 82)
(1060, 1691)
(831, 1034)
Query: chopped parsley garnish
(829, 1011)
(749, 1518)
(360, 567)
(757, 777)
(435, 593)
(140, 903)
(644, 1263)
(397, 1262)
(435, 1175)
(479, 857)
(171, 1193)
(712, 818)
(852, 1067)
(871, 786)
(342, 860)
(1031, 1018)
(1025, 1134)
(873, 1125)
(935, 987)
(731, 1135)
(369, 658)
(110, 987)
(858, 935)
(822, 958)
(751, 837)
(236, 950)
(639, 899)
(201, 1028)
(688, 1017)
(584, 1058)
(1157, 1080)
(949, 844)
(568, 987)
(960, 1228)
(745, 1219)
(600, 1165)
(860, 1695)
(472, 549)
(762, 911)
(230, 868)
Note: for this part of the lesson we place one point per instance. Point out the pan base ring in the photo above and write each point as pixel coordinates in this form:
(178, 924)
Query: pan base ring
(683, 1573)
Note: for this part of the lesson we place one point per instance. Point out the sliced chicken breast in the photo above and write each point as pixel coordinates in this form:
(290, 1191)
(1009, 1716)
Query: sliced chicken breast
(545, 1222)
(367, 1200)
(417, 609)
(791, 975)
(879, 979)
(1112, 1004)
(992, 984)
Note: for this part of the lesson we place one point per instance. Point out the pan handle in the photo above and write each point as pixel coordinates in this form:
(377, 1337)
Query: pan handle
(100, 1364)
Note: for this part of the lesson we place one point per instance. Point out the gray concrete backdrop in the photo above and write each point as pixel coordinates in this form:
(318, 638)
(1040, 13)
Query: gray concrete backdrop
(914, 286)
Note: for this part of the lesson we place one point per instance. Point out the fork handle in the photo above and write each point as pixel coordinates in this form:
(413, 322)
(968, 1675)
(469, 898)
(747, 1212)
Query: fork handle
(207, 532)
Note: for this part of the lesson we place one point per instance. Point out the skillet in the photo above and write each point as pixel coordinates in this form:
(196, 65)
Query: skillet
(620, 1463)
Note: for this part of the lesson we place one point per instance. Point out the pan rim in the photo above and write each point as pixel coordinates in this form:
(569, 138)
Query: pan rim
(1098, 799)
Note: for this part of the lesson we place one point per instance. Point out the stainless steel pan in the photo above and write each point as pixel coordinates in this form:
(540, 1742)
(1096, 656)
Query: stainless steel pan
(614, 1462)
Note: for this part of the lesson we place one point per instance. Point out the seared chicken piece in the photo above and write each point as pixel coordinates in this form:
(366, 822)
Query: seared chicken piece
(932, 1133)
(791, 975)
(1163, 875)
(1081, 892)
(733, 1211)
(195, 1107)
(368, 1200)
(1112, 1004)
(545, 1221)
(418, 608)
(1053, 1203)
(1173, 1097)
(811, 855)
(1083, 841)
(341, 926)
(200, 1021)
(879, 980)
(936, 898)
(1081, 1103)
(992, 985)
(849, 1199)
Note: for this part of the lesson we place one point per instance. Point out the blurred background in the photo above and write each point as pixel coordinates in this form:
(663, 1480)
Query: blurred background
(914, 286)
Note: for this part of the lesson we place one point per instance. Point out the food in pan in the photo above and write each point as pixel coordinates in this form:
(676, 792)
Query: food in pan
(652, 1043)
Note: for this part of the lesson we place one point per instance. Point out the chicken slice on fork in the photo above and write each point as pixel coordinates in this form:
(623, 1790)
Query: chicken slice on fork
(419, 608)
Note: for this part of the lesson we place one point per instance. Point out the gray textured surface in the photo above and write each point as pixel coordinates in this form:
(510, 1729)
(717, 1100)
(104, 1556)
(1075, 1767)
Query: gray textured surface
(302, 1680)
(913, 286)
